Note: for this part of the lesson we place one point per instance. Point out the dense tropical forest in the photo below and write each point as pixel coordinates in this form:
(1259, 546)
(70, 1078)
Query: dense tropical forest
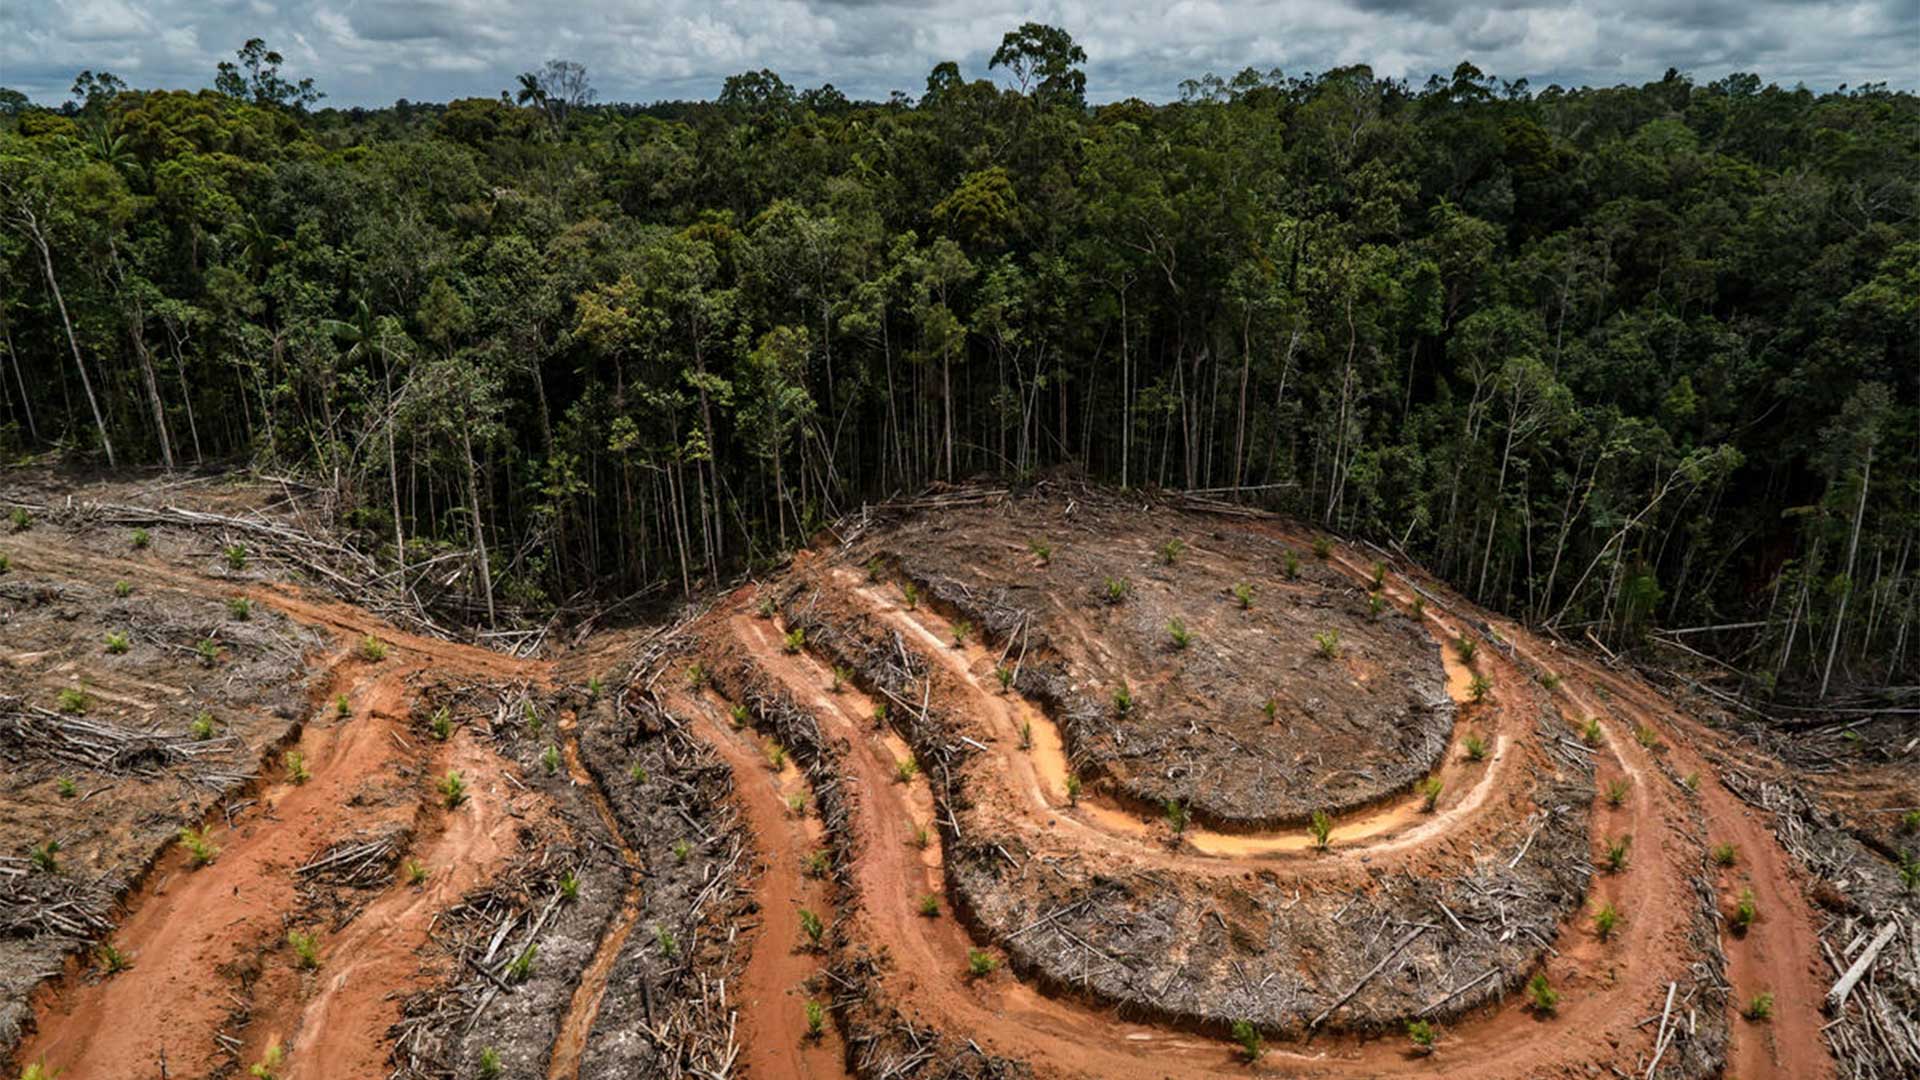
(1609, 359)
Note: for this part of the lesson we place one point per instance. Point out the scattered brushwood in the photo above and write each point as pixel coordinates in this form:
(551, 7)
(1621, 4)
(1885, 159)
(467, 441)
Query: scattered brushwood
(884, 1043)
(358, 862)
(29, 733)
(67, 909)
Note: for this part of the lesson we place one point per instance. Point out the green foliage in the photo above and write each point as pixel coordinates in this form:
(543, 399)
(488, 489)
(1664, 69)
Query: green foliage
(812, 927)
(200, 850)
(294, 764)
(1327, 642)
(239, 608)
(980, 963)
(1041, 551)
(1248, 1036)
(453, 789)
(1177, 632)
(569, 887)
(236, 557)
(1541, 996)
(841, 676)
(1118, 589)
(441, 725)
(141, 538)
(550, 759)
(962, 630)
(1616, 792)
(905, 770)
(116, 643)
(1908, 871)
(1322, 547)
(929, 906)
(696, 676)
(1759, 1007)
(1646, 736)
(1176, 815)
(795, 638)
(1605, 918)
(1464, 647)
(682, 851)
(663, 940)
(911, 594)
(739, 716)
(1073, 789)
(1422, 1035)
(306, 949)
(1243, 595)
(45, 857)
(1004, 675)
(1321, 826)
(797, 804)
(776, 756)
(111, 960)
(372, 649)
(202, 726)
(65, 787)
(414, 872)
(73, 700)
(22, 520)
(1614, 853)
(341, 706)
(1479, 686)
(1171, 550)
(1123, 699)
(1290, 566)
(268, 1067)
(1476, 747)
(1590, 732)
(816, 1019)
(1376, 603)
(1430, 793)
(208, 650)
(489, 1063)
(520, 968)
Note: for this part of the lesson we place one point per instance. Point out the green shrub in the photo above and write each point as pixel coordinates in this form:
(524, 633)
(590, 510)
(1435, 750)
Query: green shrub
(414, 872)
(1243, 594)
(795, 638)
(295, 764)
(341, 706)
(811, 926)
(1910, 822)
(682, 851)
(1123, 699)
(1118, 589)
(1290, 565)
(1478, 686)
(1464, 647)
(442, 724)
(46, 857)
(569, 887)
(1248, 1037)
(111, 960)
(306, 949)
(550, 759)
(696, 676)
(141, 539)
(911, 594)
(1590, 732)
(739, 716)
(236, 556)
(929, 905)
(73, 700)
(962, 630)
(1759, 1008)
(1322, 547)
(1746, 912)
(1321, 826)
(1170, 551)
(663, 938)
(1073, 789)
(1422, 1035)
(209, 651)
(1476, 748)
(1430, 793)
(116, 643)
(1725, 855)
(239, 608)
(200, 850)
(1615, 858)
(489, 1063)
(521, 966)
(1177, 631)
(453, 789)
(1328, 643)
(980, 963)
(372, 649)
(202, 726)
(906, 770)
(1604, 920)
(1541, 995)
(1616, 793)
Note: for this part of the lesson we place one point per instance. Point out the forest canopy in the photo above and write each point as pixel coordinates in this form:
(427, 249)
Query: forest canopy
(1609, 359)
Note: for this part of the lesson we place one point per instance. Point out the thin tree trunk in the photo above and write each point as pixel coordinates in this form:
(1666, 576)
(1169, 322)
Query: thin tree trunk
(1853, 549)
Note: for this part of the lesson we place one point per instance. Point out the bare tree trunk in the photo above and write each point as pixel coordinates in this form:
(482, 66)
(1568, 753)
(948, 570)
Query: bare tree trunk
(473, 500)
(86, 382)
(1853, 549)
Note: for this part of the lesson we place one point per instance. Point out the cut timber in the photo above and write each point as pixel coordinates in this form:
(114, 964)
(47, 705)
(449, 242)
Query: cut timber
(1837, 997)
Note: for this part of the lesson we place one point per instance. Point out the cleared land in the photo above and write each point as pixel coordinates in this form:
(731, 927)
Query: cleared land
(1067, 785)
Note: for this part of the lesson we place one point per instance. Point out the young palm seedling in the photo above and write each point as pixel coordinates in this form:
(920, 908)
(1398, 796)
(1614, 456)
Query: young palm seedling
(1759, 1008)
(904, 771)
(1590, 732)
(664, 940)
(1118, 589)
(1464, 647)
(1321, 826)
(202, 726)
(1041, 551)
(341, 706)
(1430, 793)
(682, 851)
(489, 1063)
(453, 789)
(306, 949)
(1073, 789)
(1123, 699)
(812, 927)
(209, 652)
(141, 538)
(442, 724)
(200, 850)
(1328, 644)
(1290, 566)
(73, 701)
(929, 906)
(696, 676)
(1248, 1037)
(414, 872)
(980, 963)
(236, 557)
(1476, 748)
(1725, 855)
(1541, 995)
(295, 764)
(1616, 793)
(816, 1020)
(1176, 814)
(569, 887)
(1004, 674)
(911, 594)
(797, 804)
(1479, 686)
(1243, 595)
(521, 966)
(116, 643)
(65, 787)
(842, 675)
(1322, 547)
(1746, 912)
(962, 630)
(1605, 918)
(795, 638)
(1421, 1034)
(372, 649)
(1170, 551)
(239, 608)
(46, 857)
(1615, 859)
(111, 960)
(1177, 631)
(550, 759)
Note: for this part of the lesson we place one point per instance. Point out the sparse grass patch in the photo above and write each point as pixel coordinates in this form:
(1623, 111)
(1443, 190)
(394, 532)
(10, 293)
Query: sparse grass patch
(1327, 642)
(453, 789)
(73, 701)
(200, 850)
(372, 649)
(1177, 631)
(116, 642)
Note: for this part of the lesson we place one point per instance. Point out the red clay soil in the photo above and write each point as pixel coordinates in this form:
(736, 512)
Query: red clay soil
(208, 945)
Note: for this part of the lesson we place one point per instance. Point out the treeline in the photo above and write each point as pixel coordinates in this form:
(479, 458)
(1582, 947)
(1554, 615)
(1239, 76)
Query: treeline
(1609, 359)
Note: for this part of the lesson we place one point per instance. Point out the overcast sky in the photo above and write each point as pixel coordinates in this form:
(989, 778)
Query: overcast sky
(370, 52)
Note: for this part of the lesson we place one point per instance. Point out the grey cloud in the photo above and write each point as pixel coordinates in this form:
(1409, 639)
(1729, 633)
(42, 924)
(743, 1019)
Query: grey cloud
(371, 52)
